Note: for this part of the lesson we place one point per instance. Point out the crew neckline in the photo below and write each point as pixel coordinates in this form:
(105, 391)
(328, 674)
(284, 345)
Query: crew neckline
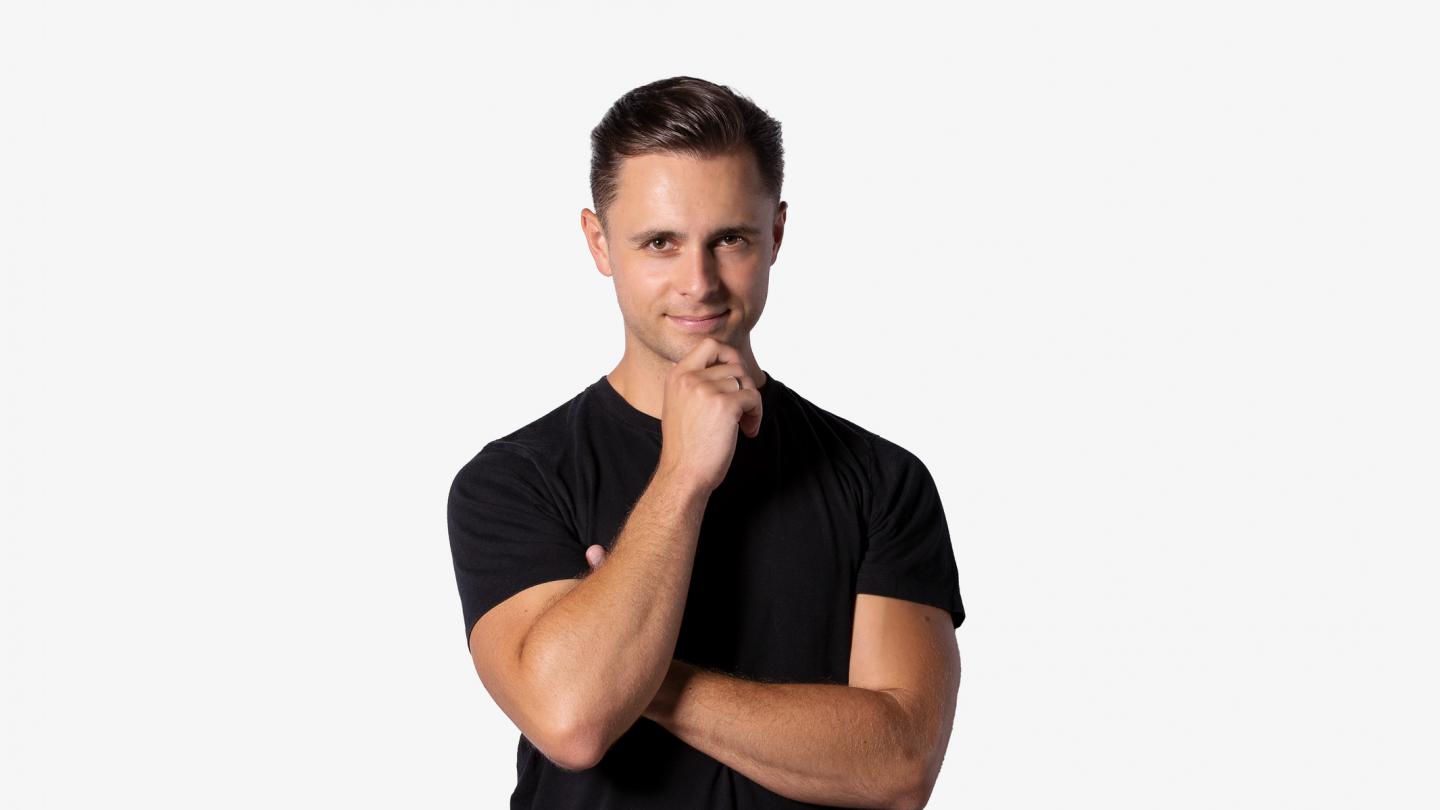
(621, 408)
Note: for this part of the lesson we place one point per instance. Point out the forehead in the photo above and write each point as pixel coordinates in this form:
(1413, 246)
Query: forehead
(670, 185)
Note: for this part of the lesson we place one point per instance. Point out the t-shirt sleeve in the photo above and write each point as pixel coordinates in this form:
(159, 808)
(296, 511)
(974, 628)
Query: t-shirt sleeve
(908, 554)
(506, 533)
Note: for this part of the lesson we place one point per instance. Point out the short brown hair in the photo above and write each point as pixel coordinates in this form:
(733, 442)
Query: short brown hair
(686, 116)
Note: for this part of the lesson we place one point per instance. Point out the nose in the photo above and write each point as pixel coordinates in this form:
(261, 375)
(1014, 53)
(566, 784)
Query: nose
(697, 275)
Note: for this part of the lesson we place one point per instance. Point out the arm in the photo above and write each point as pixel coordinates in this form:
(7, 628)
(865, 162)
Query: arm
(600, 652)
(876, 743)
(820, 743)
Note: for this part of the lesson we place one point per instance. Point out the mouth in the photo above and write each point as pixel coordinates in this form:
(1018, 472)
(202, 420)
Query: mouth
(699, 324)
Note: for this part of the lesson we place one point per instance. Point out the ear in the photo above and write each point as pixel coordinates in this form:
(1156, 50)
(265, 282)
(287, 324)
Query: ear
(778, 229)
(595, 240)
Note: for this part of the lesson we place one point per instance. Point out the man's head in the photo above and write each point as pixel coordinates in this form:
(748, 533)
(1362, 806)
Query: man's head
(686, 178)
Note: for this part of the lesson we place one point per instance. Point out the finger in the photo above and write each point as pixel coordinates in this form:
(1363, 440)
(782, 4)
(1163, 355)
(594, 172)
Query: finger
(754, 412)
(750, 422)
(707, 353)
(724, 377)
(722, 374)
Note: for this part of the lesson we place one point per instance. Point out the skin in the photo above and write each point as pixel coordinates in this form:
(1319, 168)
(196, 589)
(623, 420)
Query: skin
(878, 741)
(686, 275)
(575, 662)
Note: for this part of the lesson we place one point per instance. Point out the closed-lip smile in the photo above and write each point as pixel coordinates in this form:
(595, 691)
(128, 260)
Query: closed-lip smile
(703, 323)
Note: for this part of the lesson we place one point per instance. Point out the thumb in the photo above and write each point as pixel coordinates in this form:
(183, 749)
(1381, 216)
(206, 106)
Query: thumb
(595, 555)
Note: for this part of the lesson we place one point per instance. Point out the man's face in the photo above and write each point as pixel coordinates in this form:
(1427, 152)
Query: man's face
(688, 237)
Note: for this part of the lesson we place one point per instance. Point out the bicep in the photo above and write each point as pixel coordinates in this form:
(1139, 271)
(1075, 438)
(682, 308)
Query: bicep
(908, 650)
(495, 644)
(507, 532)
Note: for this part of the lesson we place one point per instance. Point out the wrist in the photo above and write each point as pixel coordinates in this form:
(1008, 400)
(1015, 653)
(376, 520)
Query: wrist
(679, 483)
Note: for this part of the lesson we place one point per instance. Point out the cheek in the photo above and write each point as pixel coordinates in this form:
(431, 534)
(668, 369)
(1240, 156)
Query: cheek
(639, 294)
(757, 301)
(752, 283)
(755, 306)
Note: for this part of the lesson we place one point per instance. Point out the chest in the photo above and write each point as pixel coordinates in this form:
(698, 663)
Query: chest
(773, 584)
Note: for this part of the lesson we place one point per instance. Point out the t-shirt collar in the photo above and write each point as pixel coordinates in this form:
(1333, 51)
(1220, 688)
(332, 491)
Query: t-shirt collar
(620, 408)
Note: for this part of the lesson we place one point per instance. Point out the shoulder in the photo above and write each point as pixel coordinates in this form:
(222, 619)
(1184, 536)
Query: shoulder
(870, 449)
(823, 425)
(533, 450)
(888, 477)
(886, 455)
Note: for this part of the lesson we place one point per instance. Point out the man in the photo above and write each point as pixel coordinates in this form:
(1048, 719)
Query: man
(673, 614)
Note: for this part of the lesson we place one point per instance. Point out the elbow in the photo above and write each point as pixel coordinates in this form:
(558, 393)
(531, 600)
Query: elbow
(571, 746)
(914, 799)
(582, 739)
(914, 791)
(574, 758)
(561, 732)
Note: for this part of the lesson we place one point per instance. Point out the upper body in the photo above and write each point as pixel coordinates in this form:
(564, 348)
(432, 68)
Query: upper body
(752, 536)
(812, 511)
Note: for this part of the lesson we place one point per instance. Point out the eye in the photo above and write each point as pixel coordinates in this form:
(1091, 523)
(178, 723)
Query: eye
(659, 239)
(732, 236)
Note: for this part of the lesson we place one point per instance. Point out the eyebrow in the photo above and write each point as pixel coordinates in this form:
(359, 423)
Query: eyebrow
(645, 237)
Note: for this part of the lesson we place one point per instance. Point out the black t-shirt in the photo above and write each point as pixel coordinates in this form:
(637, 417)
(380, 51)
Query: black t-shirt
(812, 511)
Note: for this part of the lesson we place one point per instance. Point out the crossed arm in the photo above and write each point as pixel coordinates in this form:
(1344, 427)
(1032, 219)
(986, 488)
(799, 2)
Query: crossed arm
(878, 742)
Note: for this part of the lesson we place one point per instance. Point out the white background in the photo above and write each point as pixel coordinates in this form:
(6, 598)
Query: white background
(1150, 287)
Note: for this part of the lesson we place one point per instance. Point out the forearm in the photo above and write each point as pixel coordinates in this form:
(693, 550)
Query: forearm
(601, 651)
(819, 743)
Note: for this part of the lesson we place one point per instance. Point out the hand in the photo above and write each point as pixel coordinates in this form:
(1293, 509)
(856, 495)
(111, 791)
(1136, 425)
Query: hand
(703, 413)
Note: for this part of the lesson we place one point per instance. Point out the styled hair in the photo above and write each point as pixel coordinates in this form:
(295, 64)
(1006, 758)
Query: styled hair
(685, 116)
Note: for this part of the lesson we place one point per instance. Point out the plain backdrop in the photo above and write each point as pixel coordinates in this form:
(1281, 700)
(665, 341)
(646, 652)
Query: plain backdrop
(1151, 288)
